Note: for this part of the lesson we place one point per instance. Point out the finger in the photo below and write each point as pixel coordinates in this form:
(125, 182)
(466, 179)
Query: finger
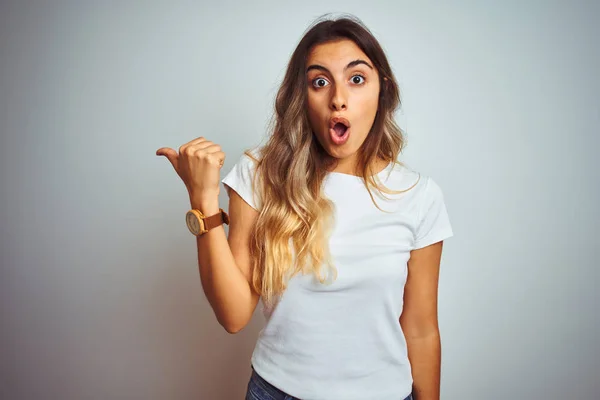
(170, 154)
(203, 147)
(198, 140)
(218, 157)
(187, 147)
(213, 148)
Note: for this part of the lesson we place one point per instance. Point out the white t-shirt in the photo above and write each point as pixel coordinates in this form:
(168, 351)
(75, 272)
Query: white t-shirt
(343, 341)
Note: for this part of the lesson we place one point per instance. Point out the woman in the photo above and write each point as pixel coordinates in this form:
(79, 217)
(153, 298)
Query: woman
(349, 287)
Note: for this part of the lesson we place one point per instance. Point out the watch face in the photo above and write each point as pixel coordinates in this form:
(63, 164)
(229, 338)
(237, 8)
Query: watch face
(192, 223)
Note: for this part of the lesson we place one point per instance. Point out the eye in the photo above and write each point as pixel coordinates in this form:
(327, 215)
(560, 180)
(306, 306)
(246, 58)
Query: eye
(357, 79)
(319, 82)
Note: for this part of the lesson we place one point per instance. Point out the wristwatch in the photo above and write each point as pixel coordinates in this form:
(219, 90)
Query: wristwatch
(199, 224)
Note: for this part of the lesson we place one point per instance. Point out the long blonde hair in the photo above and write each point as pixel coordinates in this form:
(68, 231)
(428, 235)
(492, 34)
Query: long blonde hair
(291, 166)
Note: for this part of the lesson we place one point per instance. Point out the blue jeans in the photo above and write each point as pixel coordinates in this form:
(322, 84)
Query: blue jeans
(259, 389)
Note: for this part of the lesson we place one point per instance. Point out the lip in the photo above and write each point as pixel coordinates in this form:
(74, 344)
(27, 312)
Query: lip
(335, 120)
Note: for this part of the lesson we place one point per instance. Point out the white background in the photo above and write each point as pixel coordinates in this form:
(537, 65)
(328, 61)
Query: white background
(99, 290)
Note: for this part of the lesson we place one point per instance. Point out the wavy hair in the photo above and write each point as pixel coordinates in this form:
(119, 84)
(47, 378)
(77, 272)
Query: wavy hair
(295, 221)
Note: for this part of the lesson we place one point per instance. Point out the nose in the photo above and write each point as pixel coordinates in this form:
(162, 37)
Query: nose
(339, 100)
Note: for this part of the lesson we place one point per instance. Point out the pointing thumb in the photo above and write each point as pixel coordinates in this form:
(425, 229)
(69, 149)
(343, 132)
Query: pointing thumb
(170, 154)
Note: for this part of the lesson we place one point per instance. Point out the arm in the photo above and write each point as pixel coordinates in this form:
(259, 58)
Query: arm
(419, 321)
(225, 263)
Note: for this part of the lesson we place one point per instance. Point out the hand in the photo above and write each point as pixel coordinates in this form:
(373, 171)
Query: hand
(198, 165)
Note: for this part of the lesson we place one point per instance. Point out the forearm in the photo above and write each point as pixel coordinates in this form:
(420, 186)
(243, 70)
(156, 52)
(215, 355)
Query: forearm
(224, 284)
(425, 359)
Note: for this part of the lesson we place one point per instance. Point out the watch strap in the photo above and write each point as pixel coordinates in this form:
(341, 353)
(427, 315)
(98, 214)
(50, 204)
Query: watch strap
(215, 220)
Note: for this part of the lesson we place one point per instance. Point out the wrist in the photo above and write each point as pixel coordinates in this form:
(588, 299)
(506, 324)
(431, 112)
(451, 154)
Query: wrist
(208, 206)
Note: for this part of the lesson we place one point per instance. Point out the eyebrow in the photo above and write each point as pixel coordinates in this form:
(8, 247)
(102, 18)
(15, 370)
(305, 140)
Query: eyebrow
(350, 65)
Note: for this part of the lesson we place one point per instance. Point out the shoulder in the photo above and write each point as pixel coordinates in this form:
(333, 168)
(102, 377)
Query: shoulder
(240, 177)
(248, 159)
(419, 190)
(431, 223)
(253, 153)
(407, 175)
(246, 163)
(404, 177)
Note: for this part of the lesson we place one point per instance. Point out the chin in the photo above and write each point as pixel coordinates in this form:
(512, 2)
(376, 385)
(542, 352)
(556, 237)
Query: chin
(341, 153)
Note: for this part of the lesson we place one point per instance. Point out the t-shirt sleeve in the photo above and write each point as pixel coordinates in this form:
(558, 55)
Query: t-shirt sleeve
(433, 223)
(239, 178)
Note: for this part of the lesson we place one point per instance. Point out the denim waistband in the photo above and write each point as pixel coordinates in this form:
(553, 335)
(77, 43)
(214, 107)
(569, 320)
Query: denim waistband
(258, 388)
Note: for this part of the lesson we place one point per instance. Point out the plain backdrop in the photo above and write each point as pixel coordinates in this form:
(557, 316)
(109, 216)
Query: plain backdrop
(100, 294)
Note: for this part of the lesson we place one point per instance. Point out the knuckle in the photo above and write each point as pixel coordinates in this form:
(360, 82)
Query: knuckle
(213, 160)
(201, 154)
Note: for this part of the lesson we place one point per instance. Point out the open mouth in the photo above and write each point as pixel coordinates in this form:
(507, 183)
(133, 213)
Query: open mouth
(339, 129)
(339, 123)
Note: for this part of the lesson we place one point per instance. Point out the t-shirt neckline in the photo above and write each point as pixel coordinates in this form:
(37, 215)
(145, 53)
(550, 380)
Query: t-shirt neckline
(356, 177)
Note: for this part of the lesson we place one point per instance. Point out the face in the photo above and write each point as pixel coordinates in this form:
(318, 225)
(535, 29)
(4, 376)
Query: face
(343, 89)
